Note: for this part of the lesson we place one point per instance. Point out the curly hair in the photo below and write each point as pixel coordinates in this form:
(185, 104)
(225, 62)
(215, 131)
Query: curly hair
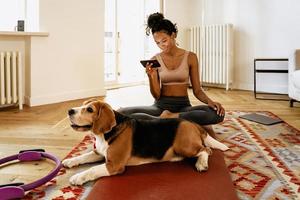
(156, 22)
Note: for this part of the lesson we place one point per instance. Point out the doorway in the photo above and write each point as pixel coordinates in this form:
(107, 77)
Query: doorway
(125, 40)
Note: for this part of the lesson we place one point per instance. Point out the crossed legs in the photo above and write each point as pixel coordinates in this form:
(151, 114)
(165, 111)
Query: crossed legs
(168, 114)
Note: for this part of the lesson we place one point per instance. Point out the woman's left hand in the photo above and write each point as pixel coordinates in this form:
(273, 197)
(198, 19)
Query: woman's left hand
(217, 107)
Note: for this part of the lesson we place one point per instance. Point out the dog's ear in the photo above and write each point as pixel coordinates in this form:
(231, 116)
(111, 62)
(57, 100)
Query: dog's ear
(89, 101)
(105, 120)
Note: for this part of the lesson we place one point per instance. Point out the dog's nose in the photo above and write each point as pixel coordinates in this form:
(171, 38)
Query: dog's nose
(71, 112)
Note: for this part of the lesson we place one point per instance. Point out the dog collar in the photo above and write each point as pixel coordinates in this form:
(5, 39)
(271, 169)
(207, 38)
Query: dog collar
(17, 190)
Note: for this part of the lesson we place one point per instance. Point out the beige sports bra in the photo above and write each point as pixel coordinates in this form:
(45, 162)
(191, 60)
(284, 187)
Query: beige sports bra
(180, 75)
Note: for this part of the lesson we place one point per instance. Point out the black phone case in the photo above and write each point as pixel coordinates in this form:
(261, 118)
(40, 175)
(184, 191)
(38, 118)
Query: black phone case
(154, 65)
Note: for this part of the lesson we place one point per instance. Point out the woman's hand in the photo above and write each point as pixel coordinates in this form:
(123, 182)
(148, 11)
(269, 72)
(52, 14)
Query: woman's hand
(153, 80)
(149, 70)
(217, 107)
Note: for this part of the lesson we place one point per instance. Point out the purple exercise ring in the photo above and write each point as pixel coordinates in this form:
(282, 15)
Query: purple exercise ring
(13, 191)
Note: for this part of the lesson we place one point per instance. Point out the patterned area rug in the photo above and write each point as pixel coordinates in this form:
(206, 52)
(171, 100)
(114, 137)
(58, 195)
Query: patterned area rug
(264, 162)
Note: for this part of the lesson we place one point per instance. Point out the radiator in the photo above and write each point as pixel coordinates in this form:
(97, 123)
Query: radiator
(11, 79)
(213, 45)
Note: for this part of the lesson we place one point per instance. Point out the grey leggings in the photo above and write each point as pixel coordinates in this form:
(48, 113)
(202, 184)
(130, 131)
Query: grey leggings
(201, 114)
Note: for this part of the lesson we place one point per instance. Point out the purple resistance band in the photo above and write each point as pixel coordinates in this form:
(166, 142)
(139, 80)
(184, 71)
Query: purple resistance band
(17, 190)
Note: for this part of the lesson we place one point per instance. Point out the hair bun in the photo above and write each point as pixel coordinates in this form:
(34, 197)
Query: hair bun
(156, 22)
(154, 19)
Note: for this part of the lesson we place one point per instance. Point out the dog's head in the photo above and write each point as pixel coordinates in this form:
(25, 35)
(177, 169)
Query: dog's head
(93, 115)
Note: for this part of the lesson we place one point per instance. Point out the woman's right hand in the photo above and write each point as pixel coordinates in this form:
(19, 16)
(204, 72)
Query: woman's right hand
(217, 107)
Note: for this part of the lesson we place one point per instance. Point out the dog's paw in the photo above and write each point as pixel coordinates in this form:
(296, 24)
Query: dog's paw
(70, 162)
(79, 179)
(202, 162)
(201, 166)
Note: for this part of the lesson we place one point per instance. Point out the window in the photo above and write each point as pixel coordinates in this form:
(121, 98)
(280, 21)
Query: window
(13, 10)
(125, 40)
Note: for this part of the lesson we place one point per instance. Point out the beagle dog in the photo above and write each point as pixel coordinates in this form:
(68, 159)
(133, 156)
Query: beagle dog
(123, 141)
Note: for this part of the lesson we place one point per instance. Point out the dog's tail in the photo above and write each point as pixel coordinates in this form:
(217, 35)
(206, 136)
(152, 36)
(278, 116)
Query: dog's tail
(210, 141)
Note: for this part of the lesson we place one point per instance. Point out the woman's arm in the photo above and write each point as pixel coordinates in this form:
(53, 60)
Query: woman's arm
(153, 80)
(197, 89)
(195, 79)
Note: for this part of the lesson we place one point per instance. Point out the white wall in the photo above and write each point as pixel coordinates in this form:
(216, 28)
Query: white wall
(263, 28)
(69, 63)
(185, 14)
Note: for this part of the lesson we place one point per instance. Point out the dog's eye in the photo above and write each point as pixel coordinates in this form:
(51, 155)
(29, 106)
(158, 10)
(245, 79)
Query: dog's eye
(90, 110)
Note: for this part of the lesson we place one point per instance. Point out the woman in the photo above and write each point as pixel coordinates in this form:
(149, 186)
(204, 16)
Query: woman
(169, 83)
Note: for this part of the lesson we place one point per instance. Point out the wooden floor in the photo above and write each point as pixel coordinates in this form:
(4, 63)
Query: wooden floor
(46, 126)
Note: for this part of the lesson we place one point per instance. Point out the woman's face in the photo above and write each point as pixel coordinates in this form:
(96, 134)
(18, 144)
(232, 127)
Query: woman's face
(164, 41)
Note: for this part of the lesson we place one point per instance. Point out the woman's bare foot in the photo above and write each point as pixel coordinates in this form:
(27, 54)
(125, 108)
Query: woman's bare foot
(168, 114)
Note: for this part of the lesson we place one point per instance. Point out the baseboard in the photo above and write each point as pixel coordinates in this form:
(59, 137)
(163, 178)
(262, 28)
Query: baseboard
(267, 88)
(56, 98)
(239, 86)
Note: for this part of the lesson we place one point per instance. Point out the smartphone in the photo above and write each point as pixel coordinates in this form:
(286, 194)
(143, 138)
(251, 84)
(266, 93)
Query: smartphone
(155, 63)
